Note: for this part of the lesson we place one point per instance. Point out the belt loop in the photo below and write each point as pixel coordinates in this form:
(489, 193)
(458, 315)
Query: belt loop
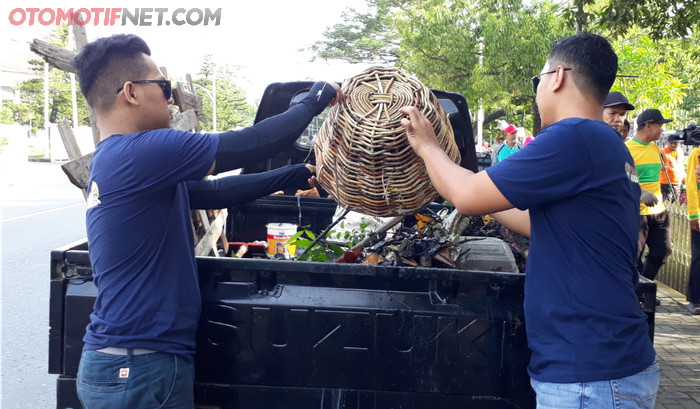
(129, 355)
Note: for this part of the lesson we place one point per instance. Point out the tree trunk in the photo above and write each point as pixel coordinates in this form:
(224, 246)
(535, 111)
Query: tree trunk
(497, 114)
(536, 119)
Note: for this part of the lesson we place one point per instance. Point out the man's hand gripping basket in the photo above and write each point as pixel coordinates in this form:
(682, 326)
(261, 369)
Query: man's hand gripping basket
(364, 159)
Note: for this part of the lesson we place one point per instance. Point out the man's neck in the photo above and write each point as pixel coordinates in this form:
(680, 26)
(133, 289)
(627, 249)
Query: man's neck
(575, 105)
(644, 137)
(510, 143)
(115, 124)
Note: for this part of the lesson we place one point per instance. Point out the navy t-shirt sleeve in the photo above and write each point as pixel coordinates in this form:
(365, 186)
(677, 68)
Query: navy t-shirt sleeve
(170, 156)
(553, 166)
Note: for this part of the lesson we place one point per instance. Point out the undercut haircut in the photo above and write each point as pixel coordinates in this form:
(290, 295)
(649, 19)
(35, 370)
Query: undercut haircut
(593, 63)
(106, 64)
(627, 124)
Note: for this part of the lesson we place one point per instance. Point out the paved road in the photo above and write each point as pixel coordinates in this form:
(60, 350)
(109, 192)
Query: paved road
(41, 210)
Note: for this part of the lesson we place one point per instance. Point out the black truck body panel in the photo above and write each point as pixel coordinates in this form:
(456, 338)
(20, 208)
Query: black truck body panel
(289, 334)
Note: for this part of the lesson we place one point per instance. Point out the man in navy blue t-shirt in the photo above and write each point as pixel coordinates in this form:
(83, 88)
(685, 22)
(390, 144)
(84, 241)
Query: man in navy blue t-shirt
(144, 179)
(579, 204)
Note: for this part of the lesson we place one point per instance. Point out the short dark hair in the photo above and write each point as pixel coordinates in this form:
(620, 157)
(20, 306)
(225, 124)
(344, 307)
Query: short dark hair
(627, 124)
(106, 64)
(593, 60)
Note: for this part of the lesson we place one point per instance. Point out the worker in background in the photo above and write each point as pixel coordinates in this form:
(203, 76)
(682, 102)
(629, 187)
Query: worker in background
(507, 147)
(692, 187)
(654, 223)
(616, 107)
(625, 130)
(673, 171)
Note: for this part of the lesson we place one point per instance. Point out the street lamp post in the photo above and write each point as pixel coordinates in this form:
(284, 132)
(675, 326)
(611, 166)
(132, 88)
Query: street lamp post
(213, 100)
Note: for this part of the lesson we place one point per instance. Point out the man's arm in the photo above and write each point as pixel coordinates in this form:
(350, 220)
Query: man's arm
(472, 194)
(514, 219)
(238, 149)
(236, 190)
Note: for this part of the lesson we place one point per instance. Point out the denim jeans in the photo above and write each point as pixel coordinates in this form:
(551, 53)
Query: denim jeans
(633, 392)
(156, 380)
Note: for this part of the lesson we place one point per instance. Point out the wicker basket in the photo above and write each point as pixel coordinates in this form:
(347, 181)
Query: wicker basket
(364, 159)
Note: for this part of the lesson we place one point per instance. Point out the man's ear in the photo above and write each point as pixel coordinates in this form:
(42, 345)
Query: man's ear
(129, 93)
(561, 78)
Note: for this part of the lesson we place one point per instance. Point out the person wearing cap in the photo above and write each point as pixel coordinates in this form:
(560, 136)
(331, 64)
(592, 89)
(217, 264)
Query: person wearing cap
(672, 173)
(692, 189)
(508, 147)
(616, 107)
(654, 223)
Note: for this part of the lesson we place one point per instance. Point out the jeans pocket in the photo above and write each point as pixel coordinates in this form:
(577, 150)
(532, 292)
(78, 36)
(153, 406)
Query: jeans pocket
(102, 373)
(637, 391)
(162, 377)
(171, 381)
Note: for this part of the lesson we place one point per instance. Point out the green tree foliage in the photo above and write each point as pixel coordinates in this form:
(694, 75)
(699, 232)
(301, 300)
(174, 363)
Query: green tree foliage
(232, 110)
(7, 116)
(31, 110)
(366, 36)
(3, 142)
(663, 18)
(661, 66)
(440, 41)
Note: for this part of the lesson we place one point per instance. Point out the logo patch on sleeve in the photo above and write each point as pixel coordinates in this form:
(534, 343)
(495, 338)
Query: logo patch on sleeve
(93, 198)
(124, 372)
(631, 172)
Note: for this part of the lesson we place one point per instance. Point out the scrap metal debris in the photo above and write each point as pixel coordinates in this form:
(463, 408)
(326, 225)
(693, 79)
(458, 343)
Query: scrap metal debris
(433, 240)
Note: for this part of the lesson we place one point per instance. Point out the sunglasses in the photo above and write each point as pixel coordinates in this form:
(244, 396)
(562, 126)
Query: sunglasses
(536, 79)
(165, 86)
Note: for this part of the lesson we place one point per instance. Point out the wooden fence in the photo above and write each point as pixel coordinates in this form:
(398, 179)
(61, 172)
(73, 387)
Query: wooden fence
(677, 268)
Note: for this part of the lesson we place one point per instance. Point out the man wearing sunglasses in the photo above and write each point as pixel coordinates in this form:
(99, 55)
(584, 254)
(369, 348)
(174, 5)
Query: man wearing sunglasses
(144, 179)
(579, 204)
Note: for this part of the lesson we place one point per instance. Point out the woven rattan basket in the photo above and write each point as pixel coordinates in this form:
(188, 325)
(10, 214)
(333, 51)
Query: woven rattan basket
(364, 159)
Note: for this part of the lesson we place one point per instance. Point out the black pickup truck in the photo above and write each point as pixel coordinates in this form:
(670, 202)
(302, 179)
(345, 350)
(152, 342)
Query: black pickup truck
(293, 334)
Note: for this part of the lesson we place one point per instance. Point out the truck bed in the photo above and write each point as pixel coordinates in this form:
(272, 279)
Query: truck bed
(291, 334)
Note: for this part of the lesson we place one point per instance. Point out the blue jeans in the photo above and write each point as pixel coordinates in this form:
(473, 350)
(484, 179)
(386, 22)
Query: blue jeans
(156, 380)
(633, 392)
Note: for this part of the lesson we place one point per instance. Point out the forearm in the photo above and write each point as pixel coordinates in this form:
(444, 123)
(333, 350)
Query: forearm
(472, 194)
(241, 148)
(240, 189)
(238, 149)
(515, 220)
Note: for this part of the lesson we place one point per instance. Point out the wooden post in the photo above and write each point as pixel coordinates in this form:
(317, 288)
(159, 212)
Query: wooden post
(185, 121)
(56, 56)
(208, 243)
(69, 141)
(80, 41)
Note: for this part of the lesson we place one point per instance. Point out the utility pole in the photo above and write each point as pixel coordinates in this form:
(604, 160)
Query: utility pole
(73, 96)
(214, 99)
(46, 104)
(480, 120)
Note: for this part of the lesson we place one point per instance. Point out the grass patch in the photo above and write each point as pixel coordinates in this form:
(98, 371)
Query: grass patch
(37, 154)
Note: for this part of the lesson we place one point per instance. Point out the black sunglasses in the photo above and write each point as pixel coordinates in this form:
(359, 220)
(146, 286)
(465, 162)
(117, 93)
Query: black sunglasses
(165, 86)
(536, 78)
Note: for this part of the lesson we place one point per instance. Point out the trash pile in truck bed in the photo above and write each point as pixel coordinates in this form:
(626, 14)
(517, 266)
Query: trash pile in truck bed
(434, 240)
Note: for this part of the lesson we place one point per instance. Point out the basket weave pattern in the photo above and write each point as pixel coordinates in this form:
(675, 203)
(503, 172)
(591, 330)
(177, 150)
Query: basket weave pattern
(362, 152)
